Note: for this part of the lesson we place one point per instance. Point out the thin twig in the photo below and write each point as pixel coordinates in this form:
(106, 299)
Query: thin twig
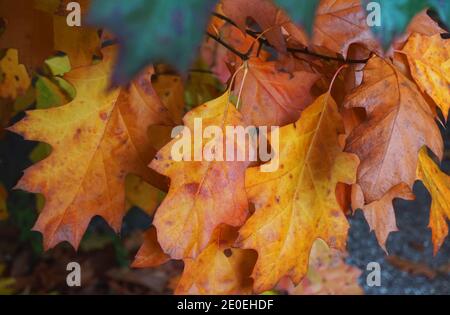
(305, 51)
(230, 48)
(226, 19)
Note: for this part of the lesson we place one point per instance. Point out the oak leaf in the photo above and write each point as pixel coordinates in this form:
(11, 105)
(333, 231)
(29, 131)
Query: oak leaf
(297, 204)
(203, 194)
(219, 269)
(271, 96)
(399, 122)
(328, 274)
(150, 254)
(271, 19)
(14, 79)
(380, 213)
(141, 194)
(429, 61)
(97, 139)
(438, 184)
(423, 24)
(340, 24)
(27, 29)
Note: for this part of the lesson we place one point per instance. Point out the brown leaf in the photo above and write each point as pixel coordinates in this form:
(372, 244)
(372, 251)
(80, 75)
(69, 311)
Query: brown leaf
(399, 122)
(341, 23)
(150, 254)
(272, 97)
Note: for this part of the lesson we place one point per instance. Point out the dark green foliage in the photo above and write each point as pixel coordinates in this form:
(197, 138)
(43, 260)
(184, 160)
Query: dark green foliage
(152, 31)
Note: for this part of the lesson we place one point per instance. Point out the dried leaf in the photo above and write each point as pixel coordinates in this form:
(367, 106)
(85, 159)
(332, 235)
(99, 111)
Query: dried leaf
(297, 204)
(202, 194)
(438, 184)
(429, 61)
(97, 139)
(399, 122)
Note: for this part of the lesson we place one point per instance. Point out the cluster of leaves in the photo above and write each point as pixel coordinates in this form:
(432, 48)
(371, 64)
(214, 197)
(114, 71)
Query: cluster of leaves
(355, 123)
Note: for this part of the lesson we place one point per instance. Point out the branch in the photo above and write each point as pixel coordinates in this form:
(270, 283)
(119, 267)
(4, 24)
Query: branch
(305, 51)
(230, 48)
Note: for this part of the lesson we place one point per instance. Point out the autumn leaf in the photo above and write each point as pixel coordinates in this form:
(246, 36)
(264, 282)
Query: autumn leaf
(302, 12)
(219, 269)
(271, 96)
(150, 254)
(395, 16)
(327, 274)
(399, 122)
(203, 194)
(423, 24)
(27, 29)
(80, 43)
(141, 194)
(97, 139)
(14, 79)
(380, 213)
(429, 61)
(296, 204)
(267, 15)
(340, 24)
(438, 184)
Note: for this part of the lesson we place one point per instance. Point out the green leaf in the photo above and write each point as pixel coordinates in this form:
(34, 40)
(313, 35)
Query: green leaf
(49, 94)
(301, 11)
(442, 7)
(58, 65)
(152, 31)
(395, 17)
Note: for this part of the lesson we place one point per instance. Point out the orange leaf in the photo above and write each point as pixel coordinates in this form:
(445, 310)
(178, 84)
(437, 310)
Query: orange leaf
(27, 29)
(340, 24)
(15, 79)
(203, 194)
(423, 24)
(97, 139)
(272, 97)
(218, 269)
(271, 19)
(150, 254)
(438, 184)
(429, 61)
(327, 274)
(297, 204)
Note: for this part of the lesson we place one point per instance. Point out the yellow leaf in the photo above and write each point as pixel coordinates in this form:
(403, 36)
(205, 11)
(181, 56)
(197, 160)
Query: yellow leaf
(203, 194)
(327, 274)
(297, 204)
(97, 139)
(438, 184)
(79, 43)
(141, 194)
(219, 269)
(14, 79)
(429, 60)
